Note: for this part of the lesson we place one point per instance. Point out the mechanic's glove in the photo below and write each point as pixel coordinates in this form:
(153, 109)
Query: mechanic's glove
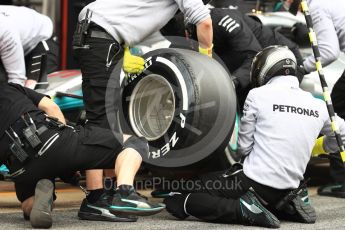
(175, 205)
(206, 51)
(131, 63)
(300, 73)
(318, 147)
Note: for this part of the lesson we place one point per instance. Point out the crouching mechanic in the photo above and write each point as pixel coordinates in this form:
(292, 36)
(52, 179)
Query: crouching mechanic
(277, 133)
(27, 50)
(37, 146)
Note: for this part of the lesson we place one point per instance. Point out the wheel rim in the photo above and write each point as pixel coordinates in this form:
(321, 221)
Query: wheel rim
(152, 107)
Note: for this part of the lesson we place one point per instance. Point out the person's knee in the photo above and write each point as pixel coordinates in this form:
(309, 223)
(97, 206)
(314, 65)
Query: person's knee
(139, 144)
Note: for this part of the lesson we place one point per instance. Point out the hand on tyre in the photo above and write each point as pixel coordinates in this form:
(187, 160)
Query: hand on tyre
(206, 51)
(131, 63)
(175, 205)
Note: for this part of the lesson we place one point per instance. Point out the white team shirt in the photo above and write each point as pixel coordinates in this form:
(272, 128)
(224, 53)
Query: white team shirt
(21, 29)
(329, 20)
(278, 131)
(132, 21)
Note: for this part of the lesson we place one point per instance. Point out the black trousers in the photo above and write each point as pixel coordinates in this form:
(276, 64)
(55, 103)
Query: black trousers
(216, 196)
(98, 58)
(74, 150)
(337, 169)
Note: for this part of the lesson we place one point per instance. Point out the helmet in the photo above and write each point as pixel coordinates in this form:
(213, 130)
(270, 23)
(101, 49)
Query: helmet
(270, 62)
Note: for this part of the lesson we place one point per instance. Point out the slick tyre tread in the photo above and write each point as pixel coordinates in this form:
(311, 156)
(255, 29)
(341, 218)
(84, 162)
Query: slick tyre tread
(205, 107)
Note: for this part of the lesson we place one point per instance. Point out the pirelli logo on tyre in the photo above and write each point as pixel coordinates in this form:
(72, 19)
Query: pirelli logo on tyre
(171, 144)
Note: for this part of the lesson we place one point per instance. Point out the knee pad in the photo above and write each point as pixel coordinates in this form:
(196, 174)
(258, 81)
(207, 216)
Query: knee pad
(139, 144)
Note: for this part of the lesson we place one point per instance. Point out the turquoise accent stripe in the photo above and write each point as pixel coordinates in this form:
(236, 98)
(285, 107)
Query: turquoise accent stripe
(132, 208)
(68, 103)
(3, 168)
(234, 144)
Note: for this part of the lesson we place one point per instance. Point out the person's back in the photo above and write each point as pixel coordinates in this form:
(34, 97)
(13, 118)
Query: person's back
(268, 37)
(132, 21)
(288, 121)
(14, 101)
(32, 26)
(232, 37)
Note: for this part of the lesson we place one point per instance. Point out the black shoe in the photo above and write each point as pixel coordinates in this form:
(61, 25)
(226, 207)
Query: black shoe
(134, 204)
(334, 190)
(99, 211)
(40, 216)
(304, 212)
(253, 213)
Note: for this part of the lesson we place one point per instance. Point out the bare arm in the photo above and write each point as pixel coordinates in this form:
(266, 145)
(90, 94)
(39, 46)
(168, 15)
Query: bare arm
(205, 33)
(50, 108)
(198, 14)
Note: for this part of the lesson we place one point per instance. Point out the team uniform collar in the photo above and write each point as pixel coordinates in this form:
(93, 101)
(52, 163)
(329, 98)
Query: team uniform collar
(288, 80)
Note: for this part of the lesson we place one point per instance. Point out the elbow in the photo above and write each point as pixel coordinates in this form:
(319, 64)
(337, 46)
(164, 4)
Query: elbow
(334, 55)
(330, 56)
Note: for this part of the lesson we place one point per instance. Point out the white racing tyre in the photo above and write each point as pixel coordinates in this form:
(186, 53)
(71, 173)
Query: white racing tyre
(184, 104)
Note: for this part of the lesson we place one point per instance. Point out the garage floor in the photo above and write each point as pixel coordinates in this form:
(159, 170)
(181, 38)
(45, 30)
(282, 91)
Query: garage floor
(331, 212)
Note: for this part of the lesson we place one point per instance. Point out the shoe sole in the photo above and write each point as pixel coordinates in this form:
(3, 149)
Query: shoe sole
(307, 213)
(273, 220)
(135, 212)
(40, 216)
(97, 217)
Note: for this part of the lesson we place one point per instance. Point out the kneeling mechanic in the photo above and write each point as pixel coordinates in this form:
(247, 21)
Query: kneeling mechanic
(37, 147)
(277, 144)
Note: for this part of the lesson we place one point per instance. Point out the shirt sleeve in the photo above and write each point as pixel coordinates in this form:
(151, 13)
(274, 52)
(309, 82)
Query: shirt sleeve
(242, 74)
(231, 31)
(12, 54)
(327, 39)
(227, 25)
(194, 10)
(247, 126)
(34, 96)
